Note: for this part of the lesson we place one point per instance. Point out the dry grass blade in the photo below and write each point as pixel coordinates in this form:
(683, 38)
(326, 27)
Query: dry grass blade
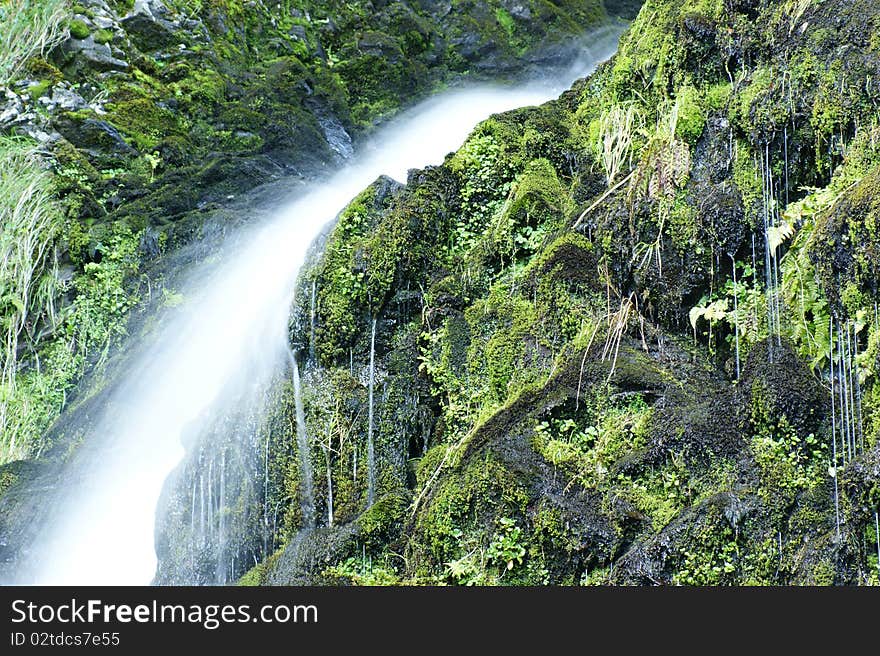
(617, 323)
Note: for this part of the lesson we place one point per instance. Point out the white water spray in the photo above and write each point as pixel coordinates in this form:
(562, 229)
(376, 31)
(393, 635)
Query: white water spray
(230, 338)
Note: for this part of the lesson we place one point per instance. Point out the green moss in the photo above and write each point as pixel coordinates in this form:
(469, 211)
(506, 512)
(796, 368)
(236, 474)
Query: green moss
(714, 559)
(748, 181)
(464, 507)
(8, 478)
(538, 204)
(342, 286)
(40, 69)
(253, 577)
(39, 89)
(78, 29)
(379, 522)
(587, 444)
(682, 226)
(823, 573)
(104, 36)
(362, 572)
(144, 121)
(691, 114)
(505, 348)
(506, 21)
(761, 109)
(718, 96)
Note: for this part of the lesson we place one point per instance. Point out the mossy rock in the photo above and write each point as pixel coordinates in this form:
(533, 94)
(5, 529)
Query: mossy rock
(776, 385)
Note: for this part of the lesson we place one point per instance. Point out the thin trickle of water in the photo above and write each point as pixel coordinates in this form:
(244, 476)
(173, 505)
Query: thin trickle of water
(329, 469)
(850, 355)
(303, 449)
(222, 572)
(834, 430)
(844, 389)
(846, 420)
(858, 415)
(202, 511)
(228, 339)
(754, 280)
(736, 314)
(785, 145)
(266, 496)
(192, 514)
(771, 260)
(371, 455)
(877, 534)
(210, 485)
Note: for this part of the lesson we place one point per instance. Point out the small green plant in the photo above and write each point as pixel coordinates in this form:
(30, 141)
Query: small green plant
(713, 564)
(362, 571)
(506, 549)
(154, 160)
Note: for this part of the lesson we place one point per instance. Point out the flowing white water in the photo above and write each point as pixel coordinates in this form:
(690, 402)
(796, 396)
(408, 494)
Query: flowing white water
(229, 338)
(307, 488)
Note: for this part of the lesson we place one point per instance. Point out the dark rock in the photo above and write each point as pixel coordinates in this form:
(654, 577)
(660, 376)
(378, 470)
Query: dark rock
(148, 28)
(95, 136)
(655, 558)
(97, 56)
(627, 9)
(776, 384)
(309, 553)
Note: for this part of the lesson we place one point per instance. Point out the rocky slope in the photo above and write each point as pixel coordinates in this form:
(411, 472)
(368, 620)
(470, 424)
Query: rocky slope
(626, 337)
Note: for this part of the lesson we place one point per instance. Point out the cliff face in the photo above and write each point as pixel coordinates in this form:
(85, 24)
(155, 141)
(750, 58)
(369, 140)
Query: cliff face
(626, 337)
(630, 336)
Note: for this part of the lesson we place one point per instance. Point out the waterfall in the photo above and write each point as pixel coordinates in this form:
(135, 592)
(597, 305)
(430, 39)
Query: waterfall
(192, 393)
(303, 449)
(371, 455)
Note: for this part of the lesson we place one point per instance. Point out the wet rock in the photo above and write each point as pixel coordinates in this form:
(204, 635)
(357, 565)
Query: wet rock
(18, 115)
(627, 9)
(335, 134)
(309, 553)
(518, 10)
(13, 111)
(777, 384)
(149, 27)
(655, 558)
(860, 482)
